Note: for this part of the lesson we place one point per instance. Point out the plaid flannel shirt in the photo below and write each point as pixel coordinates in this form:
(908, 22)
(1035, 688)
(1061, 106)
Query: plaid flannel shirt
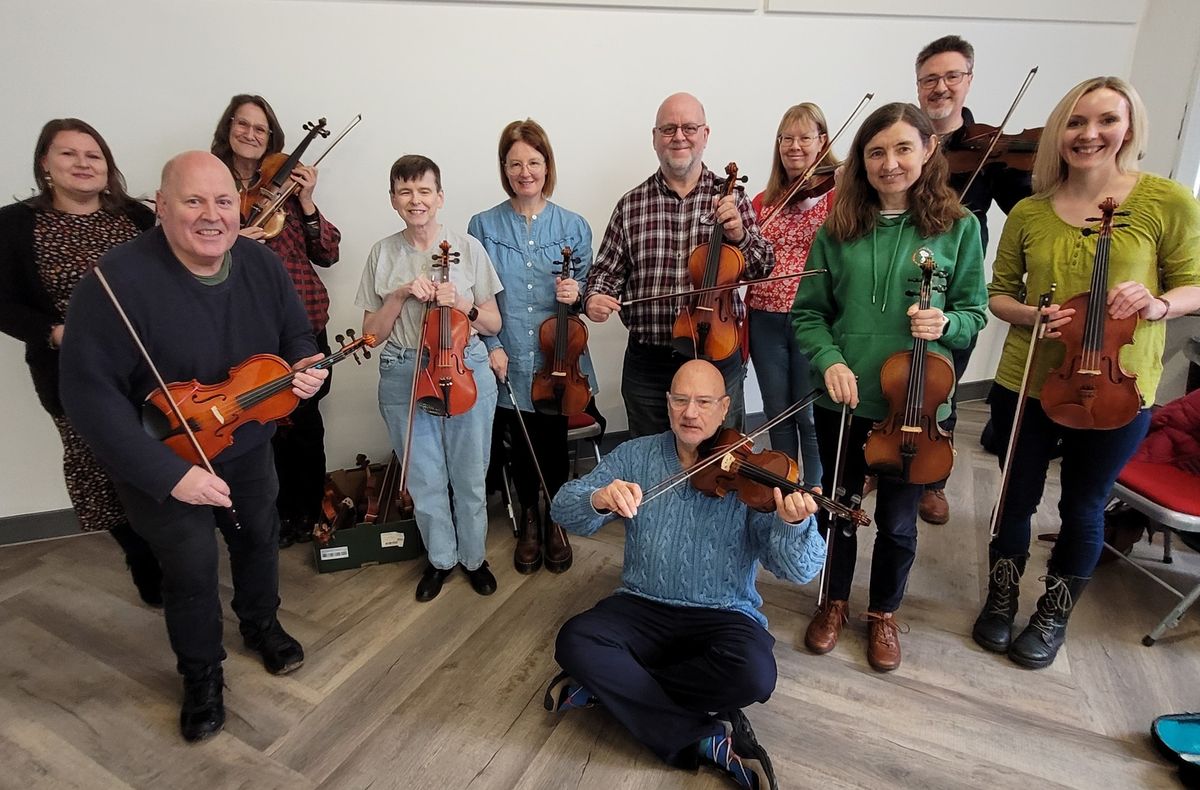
(301, 245)
(646, 247)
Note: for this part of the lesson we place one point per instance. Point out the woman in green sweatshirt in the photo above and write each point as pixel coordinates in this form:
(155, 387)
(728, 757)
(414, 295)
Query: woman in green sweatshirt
(892, 201)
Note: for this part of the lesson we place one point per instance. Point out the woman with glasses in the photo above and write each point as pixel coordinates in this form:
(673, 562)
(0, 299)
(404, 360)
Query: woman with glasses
(1089, 152)
(525, 236)
(779, 363)
(892, 201)
(246, 132)
(47, 244)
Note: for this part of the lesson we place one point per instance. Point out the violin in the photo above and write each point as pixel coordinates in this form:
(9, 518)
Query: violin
(708, 329)
(755, 475)
(1090, 389)
(909, 443)
(257, 390)
(262, 202)
(369, 508)
(394, 500)
(560, 387)
(819, 181)
(447, 385)
(336, 512)
(975, 149)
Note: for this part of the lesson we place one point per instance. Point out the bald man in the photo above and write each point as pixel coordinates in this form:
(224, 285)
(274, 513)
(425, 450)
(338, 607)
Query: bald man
(683, 635)
(645, 250)
(203, 300)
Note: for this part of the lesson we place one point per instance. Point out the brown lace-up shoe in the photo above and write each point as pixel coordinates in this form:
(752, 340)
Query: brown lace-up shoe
(826, 626)
(933, 507)
(883, 641)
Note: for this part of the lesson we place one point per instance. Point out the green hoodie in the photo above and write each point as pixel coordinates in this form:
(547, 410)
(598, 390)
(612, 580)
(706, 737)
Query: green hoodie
(857, 314)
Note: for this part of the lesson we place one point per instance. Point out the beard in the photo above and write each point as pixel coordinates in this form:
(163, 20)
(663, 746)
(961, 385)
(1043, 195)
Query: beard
(941, 113)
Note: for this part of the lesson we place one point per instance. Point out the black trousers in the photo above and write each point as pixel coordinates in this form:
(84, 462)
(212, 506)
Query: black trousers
(661, 670)
(299, 444)
(548, 432)
(184, 539)
(895, 518)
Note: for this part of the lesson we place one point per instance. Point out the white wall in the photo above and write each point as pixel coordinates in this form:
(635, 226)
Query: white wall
(442, 79)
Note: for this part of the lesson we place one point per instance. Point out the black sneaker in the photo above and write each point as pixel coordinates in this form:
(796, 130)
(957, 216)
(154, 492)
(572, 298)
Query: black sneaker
(281, 653)
(202, 714)
(747, 747)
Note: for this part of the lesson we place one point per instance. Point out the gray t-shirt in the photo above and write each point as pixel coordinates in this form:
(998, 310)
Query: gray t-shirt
(393, 262)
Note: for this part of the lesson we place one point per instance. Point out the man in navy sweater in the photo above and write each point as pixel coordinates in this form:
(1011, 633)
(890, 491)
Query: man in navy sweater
(682, 636)
(202, 300)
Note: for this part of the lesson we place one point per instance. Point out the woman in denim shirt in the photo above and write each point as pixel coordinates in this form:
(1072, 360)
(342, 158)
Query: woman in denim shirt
(525, 236)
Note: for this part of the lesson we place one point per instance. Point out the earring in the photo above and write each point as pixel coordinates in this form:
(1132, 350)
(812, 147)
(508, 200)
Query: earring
(49, 181)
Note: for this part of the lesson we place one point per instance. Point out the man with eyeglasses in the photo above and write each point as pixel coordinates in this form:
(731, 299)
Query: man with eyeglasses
(683, 635)
(945, 69)
(645, 250)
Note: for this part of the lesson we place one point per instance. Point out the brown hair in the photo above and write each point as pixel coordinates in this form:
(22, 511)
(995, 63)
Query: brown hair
(948, 44)
(1049, 169)
(413, 167)
(113, 199)
(778, 182)
(220, 142)
(932, 204)
(532, 134)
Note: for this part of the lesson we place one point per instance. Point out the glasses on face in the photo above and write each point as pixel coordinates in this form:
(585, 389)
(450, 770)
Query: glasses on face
(245, 127)
(534, 166)
(951, 78)
(804, 140)
(703, 402)
(689, 129)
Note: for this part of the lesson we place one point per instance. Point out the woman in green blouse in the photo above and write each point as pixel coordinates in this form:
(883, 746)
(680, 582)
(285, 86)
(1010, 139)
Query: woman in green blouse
(1088, 153)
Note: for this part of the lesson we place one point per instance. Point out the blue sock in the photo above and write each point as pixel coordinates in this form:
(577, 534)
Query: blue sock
(718, 750)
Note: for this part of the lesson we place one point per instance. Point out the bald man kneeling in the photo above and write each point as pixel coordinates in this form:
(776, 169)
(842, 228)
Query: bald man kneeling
(683, 635)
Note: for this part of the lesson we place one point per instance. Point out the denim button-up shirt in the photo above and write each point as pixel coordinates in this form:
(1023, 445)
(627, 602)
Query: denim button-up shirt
(527, 256)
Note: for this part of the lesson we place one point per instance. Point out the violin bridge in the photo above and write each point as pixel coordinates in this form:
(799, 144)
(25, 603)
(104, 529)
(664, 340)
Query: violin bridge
(727, 462)
(217, 414)
(910, 428)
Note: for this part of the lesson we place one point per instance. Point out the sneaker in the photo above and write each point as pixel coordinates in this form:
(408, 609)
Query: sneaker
(746, 744)
(564, 694)
(202, 714)
(719, 751)
(281, 653)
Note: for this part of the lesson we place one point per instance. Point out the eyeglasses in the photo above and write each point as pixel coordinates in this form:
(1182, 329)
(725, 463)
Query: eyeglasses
(805, 140)
(533, 166)
(689, 129)
(245, 126)
(951, 78)
(703, 402)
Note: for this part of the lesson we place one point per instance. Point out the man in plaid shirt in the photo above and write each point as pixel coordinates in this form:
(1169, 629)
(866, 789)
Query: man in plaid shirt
(645, 250)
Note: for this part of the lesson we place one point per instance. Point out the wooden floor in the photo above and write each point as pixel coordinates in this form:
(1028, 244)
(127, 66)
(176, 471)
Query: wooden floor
(396, 694)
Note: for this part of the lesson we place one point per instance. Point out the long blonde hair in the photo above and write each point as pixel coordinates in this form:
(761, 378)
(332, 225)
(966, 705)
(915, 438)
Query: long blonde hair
(932, 204)
(1049, 169)
(778, 181)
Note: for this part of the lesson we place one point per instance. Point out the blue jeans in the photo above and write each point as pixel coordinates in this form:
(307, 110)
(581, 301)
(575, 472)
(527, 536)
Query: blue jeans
(1091, 461)
(783, 376)
(647, 375)
(447, 451)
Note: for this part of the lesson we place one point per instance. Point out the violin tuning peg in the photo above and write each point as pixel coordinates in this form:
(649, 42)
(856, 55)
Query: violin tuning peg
(366, 352)
(839, 492)
(856, 500)
(350, 332)
(339, 338)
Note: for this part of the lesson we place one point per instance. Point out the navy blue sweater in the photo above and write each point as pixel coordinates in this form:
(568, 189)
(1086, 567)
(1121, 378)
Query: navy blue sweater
(191, 330)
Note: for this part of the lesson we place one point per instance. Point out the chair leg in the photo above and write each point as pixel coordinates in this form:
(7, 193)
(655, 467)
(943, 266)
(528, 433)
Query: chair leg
(596, 449)
(506, 495)
(1172, 619)
(1168, 558)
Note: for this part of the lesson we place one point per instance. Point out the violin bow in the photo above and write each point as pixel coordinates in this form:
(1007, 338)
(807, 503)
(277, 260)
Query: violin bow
(1039, 332)
(412, 406)
(162, 385)
(773, 211)
(663, 486)
(1000, 130)
(532, 454)
(726, 287)
(838, 492)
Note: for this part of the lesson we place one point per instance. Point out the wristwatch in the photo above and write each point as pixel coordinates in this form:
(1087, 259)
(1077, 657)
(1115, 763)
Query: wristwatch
(473, 314)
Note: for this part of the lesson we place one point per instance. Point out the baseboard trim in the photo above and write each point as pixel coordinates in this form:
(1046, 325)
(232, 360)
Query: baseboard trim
(33, 527)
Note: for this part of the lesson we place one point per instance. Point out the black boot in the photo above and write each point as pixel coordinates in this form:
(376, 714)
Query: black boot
(993, 627)
(1038, 644)
(143, 565)
(280, 652)
(203, 712)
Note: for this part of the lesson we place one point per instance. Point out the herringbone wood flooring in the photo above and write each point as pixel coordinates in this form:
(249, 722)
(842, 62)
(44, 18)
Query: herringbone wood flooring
(448, 694)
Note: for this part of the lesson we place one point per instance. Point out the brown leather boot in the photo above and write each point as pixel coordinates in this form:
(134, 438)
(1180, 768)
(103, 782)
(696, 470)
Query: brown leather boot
(826, 626)
(557, 549)
(527, 556)
(883, 641)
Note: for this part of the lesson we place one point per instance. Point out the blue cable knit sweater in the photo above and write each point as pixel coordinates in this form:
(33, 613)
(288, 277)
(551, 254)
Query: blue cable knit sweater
(685, 548)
